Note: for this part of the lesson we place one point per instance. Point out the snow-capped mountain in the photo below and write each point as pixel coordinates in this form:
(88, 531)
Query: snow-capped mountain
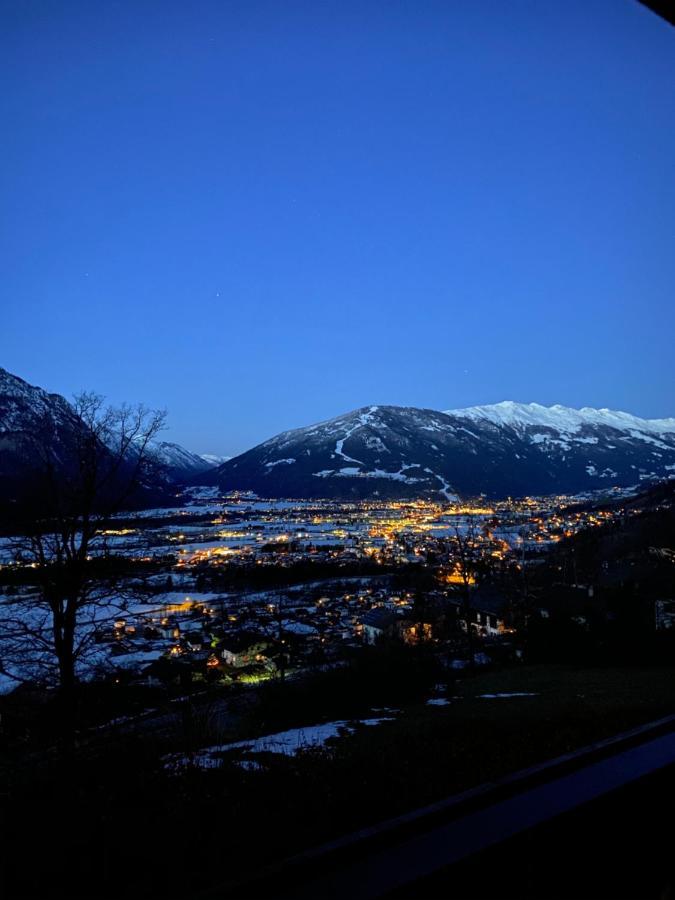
(27, 410)
(32, 419)
(23, 406)
(508, 449)
(378, 450)
(179, 464)
(214, 460)
(563, 419)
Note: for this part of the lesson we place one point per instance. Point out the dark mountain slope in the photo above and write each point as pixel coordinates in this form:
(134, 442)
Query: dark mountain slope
(506, 450)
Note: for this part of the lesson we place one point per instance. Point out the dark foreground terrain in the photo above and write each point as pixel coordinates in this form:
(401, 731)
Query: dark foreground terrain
(111, 818)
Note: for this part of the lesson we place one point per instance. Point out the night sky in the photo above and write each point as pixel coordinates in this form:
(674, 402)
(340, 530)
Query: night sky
(259, 215)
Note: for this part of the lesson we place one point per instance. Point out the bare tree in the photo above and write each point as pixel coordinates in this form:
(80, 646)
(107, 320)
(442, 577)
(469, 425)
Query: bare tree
(85, 474)
(277, 610)
(466, 557)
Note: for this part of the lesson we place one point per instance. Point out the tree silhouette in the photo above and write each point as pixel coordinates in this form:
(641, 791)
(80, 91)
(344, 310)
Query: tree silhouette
(466, 554)
(84, 478)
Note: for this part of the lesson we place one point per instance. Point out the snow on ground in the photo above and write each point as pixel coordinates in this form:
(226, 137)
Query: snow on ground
(506, 694)
(7, 550)
(298, 627)
(166, 512)
(364, 419)
(355, 472)
(287, 742)
(134, 659)
(163, 603)
(7, 684)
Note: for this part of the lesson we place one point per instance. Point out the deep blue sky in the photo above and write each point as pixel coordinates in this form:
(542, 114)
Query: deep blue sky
(262, 214)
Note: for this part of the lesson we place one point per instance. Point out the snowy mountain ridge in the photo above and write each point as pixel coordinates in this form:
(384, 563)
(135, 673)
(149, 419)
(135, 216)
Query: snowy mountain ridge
(179, 463)
(562, 418)
(27, 411)
(507, 449)
(213, 460)
(21, 403)
(389, 452)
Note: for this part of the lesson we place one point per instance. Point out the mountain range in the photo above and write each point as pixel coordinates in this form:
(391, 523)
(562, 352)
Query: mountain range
(180, 465)
(506, 449)
(387, 452)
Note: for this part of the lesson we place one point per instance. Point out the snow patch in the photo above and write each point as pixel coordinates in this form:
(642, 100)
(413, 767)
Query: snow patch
(287, 742)
(505, 694)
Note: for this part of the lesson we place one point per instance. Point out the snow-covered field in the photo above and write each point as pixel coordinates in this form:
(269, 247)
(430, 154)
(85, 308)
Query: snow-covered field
(287, 742)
